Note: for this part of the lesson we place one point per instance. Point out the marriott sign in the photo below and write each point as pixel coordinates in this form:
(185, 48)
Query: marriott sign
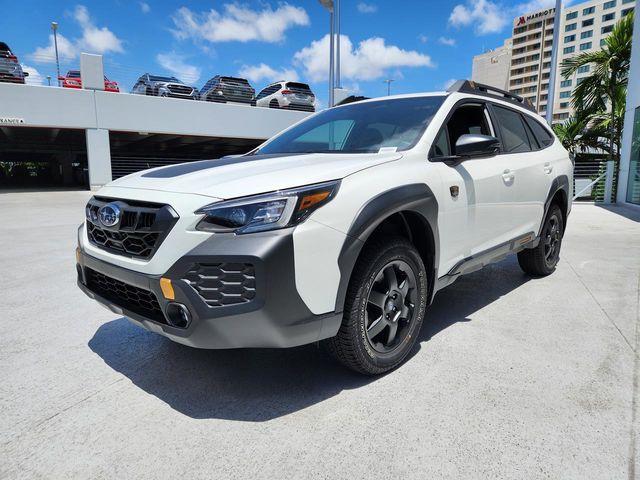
(541, 15)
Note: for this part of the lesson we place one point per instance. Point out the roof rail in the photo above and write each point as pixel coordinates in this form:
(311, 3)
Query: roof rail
(468, 86)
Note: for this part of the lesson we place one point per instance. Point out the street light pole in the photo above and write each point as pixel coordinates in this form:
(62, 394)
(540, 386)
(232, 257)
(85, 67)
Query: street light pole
(49, 80)
(337, 21)
(388, 82)
(54, 27)
(328, 4)
(551, 91)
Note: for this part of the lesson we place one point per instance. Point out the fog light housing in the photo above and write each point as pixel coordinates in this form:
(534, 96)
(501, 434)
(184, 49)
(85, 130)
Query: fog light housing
(178, 315)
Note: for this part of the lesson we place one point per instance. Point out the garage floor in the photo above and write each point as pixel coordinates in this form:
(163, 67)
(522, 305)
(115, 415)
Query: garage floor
(513, 377)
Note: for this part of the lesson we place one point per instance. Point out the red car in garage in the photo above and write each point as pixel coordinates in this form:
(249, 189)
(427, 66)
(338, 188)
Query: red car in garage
(73, 80)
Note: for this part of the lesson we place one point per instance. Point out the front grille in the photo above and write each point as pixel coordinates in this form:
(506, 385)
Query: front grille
(301, 107)
(138, 300)
(221, 284)
(140, 231)
(180, 89)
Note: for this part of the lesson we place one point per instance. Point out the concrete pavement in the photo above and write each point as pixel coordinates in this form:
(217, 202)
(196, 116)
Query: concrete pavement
(513, 377)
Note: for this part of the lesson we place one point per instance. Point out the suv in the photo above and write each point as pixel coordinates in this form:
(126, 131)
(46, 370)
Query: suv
(73, 80)
(340, 229)
(228, 89)
(289, 95)
(10, 68)
(159, 86)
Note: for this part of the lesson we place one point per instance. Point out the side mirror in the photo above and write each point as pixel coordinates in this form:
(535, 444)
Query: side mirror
(475, 145)
(25, 74)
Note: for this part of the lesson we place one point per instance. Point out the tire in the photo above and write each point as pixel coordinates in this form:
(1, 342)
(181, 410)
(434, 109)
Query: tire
(542, 260)
(375, 307)
(274, 104)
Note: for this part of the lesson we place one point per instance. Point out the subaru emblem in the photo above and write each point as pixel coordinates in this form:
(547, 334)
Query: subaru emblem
(109, 214)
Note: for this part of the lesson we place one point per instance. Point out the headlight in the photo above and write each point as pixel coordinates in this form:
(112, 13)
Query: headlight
(282, 209)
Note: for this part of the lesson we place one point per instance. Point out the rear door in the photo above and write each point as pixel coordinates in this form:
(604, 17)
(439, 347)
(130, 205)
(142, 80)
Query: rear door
(526, 167)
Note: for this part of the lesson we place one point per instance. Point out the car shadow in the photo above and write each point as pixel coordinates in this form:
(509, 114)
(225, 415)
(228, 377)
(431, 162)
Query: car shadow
(262, 384)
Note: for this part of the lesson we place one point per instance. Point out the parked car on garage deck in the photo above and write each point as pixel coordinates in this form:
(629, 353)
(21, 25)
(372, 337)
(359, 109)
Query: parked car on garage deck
(73, 80)
(340, 229)
(160, 86)
(10, 68)
(228, 89)
(289, 95)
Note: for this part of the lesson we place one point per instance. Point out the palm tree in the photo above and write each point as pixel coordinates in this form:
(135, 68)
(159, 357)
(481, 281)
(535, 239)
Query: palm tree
(599, 99)
(576, 137)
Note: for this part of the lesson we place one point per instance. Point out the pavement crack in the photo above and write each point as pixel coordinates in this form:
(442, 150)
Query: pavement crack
(632, 347)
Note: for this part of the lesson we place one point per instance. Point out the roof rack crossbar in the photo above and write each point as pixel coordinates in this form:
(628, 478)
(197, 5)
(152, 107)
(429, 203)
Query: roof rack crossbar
(468, 86)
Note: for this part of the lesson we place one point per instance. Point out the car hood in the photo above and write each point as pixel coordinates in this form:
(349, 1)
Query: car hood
(232, 177)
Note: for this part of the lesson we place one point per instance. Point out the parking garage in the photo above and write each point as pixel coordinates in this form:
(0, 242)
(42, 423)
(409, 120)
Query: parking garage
(63, 138)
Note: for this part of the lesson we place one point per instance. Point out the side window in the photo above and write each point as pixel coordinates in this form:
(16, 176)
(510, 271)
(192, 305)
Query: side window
(512, 129)
(440, 146)
(467, 119)
(263, 93)
(541, 134)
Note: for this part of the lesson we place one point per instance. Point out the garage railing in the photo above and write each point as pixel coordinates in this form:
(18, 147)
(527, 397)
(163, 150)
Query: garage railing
(594, 180)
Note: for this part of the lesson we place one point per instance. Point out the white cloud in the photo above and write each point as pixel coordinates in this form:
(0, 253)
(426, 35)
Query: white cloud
(34, 78)
(66, 51)
(238, 23)
(367, 7)
(423, 38)
(173, 63)
(489, 17)
(145, 7)
(93, 40)
(450, 42)
(257, 73)
(369, 60)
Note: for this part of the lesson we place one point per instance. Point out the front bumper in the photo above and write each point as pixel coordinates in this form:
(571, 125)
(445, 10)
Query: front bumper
(275, 317)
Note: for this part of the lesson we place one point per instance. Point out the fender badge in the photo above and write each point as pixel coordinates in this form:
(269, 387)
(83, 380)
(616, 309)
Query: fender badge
(455, 191)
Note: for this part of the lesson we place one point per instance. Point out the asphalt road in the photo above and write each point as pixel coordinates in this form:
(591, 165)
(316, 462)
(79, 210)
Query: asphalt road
(512, 378)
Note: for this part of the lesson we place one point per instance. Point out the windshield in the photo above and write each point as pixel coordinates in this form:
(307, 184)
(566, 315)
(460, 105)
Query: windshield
(359, 127)
(155, 78)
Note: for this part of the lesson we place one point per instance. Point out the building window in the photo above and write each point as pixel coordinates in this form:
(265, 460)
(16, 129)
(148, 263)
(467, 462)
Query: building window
(610, 4)
(564, 105)
(585, 46)
(584, 68)
(587, 34)
(572, 15)
(580, 80)
(570, 27)
(560, 116)
(588, 11)
(603, 42)
(568, 50)
(566, 94)
(587, 23)
(633, 187)
(565, 83)
(608, 17)
(624, 2)
(626, 12)
(569, 38)
(606, 29)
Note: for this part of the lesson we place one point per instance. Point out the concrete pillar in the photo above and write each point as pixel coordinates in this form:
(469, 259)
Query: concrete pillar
(98, 157)
(633, 101)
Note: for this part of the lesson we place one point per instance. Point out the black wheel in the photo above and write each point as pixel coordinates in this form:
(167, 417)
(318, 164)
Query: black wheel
(274, 104)
(384, 307)
(542, 260)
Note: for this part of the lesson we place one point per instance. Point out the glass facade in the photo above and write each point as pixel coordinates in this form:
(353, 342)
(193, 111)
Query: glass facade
(633, 187)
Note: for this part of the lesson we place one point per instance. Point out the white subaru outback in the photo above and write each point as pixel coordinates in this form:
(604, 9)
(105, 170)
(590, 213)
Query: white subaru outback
(341, 229)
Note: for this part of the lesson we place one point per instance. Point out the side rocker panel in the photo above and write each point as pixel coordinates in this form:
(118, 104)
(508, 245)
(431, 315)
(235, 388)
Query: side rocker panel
(417, 198)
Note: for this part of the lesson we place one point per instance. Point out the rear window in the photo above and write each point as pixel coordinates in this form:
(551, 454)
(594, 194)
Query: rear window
(512, 129)
(542, 135)
(73, 74)
(4, 47)
(155, 78)
(299, 86)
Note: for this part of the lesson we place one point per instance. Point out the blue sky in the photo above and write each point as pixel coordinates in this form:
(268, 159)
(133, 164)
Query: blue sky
(422, 45)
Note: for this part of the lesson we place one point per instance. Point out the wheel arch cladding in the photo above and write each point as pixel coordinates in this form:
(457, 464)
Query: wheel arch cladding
(413, 209)
(558, 193)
